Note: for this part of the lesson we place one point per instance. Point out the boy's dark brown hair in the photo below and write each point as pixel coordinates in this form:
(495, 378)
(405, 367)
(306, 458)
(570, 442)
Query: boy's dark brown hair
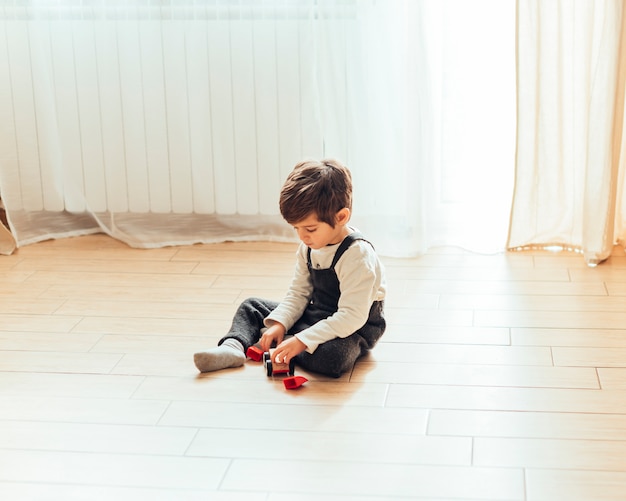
(315, 187)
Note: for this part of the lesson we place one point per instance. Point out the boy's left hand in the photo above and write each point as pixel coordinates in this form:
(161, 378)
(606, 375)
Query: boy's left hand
(288, 349)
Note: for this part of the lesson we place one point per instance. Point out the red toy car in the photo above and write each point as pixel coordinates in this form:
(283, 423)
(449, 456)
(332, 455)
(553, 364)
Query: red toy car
(277, 368)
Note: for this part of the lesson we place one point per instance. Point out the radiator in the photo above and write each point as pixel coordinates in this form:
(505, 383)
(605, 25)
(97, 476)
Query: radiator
(178, 109)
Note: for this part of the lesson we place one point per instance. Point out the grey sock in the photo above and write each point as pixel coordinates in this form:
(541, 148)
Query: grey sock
(228, 354)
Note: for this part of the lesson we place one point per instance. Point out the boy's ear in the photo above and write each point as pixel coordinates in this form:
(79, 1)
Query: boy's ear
(343, 216)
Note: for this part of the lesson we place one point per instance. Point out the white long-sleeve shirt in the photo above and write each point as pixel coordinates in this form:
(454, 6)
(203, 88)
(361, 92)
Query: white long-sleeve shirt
(361, 282)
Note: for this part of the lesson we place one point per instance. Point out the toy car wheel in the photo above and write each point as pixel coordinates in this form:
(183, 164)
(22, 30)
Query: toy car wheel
(268, 367)
(266, 359)
(292, 367)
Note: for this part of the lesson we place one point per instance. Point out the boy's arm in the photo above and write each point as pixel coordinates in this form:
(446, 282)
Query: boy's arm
(361, 282)
(298, 295)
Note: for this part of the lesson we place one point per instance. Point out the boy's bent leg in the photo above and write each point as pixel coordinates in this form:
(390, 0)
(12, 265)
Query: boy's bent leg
(244, 332)
(248, 321)
(335, 357)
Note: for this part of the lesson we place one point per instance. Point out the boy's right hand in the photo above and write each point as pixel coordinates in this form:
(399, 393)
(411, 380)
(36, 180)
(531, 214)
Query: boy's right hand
(272, 336)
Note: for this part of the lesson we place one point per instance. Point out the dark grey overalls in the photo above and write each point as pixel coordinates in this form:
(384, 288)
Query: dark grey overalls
(333, 357)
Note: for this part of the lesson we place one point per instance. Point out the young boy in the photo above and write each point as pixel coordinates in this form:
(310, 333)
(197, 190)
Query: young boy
(333, 311)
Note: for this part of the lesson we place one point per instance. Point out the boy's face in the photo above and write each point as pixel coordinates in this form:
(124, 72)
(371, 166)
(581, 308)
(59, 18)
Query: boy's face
(317, 234)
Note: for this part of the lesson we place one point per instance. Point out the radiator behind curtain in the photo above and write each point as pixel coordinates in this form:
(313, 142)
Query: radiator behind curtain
(142, 120)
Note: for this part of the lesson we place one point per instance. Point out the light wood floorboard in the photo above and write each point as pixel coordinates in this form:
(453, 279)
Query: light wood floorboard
(499, 378)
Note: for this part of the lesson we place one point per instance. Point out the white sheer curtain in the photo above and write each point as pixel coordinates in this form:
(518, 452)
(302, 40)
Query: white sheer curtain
(430, 107)
(171, 122)
(569, 187)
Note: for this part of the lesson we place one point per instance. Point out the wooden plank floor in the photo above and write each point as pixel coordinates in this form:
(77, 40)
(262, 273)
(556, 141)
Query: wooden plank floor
(499, 378)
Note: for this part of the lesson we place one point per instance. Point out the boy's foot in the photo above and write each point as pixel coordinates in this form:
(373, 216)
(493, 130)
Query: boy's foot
(229, 354)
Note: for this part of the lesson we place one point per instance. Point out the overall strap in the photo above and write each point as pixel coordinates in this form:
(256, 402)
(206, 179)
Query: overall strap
(343, 247)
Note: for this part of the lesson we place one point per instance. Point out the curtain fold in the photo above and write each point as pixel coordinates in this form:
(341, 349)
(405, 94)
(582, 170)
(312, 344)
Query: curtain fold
(570, 86)
(619, 143)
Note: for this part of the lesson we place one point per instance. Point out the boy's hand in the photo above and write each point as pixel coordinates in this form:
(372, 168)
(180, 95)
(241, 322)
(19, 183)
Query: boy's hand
(288, 349)
(273, 334)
